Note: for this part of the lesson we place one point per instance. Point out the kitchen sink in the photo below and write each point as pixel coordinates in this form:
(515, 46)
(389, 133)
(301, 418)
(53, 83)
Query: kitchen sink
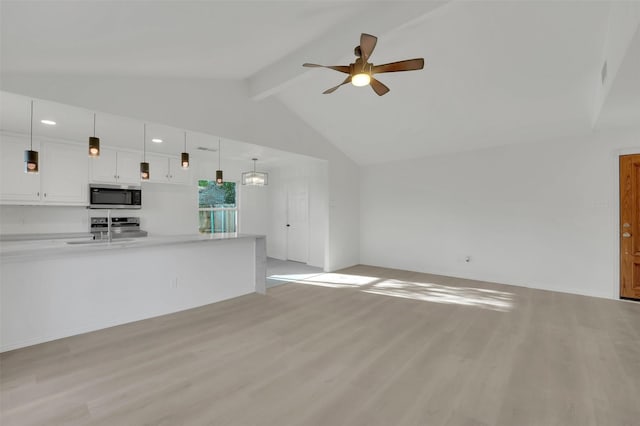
(103, 242)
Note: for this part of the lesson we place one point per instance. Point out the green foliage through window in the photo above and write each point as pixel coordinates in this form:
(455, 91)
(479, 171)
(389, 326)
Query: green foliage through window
(218, 211)
(212, 195)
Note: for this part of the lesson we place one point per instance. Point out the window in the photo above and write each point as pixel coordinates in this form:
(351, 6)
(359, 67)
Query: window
(218, 209)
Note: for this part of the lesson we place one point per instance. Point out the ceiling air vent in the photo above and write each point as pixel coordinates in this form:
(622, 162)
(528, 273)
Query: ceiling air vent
(204, 148)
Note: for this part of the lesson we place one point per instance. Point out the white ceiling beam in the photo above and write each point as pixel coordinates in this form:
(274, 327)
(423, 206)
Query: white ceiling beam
(377, 18)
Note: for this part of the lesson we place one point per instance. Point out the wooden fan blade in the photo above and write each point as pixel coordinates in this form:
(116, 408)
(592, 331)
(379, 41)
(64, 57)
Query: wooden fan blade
(378, 87)
(333, 89)
(341, 68)
(408, 65)
(367, 44)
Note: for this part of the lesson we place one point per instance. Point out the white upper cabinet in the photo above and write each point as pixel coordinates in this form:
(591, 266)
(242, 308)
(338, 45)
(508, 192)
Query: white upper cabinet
(65, 171)
(115, 167)
(15, 184)
(163, 169)
(177, 173)
(128, 167)
(158, 168)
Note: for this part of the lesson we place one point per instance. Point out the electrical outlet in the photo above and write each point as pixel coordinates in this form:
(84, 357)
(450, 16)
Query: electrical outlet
(174, 283)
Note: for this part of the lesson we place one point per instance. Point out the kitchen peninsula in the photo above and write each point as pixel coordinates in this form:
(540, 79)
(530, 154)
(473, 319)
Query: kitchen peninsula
(53, 289)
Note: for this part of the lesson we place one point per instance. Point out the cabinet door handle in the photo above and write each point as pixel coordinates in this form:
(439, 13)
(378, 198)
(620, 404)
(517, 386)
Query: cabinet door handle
(45, 195)
(38, 194)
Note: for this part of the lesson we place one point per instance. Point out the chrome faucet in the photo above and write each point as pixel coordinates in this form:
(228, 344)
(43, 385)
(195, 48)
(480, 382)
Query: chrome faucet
(109, 225)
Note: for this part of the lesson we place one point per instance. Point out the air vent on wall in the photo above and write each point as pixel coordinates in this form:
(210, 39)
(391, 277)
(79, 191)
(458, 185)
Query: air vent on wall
(204, 148)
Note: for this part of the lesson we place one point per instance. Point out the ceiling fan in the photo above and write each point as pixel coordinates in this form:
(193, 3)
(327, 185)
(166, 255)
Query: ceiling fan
(361, 71)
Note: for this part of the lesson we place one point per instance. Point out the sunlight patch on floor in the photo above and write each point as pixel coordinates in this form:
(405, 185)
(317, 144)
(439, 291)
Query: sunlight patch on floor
(328, 280)
(292, 277)
(429, 292)
(438, 293)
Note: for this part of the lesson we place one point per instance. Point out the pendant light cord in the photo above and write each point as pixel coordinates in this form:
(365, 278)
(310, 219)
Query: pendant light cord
(144, 143)
(31, 145)
(219, 154)
(185, 141)
(94, 124)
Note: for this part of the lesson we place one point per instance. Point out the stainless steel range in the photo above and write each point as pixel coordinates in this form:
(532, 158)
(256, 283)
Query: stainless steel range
(120, 227)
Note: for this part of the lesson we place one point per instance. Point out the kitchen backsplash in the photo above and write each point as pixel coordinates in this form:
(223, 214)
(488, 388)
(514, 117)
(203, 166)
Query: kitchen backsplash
(166, 210)
(42, 219)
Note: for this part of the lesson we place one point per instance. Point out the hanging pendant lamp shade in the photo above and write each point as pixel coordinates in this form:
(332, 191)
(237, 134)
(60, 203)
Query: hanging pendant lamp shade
(219, 177)
(31, 156)
(144, 170)
(94, 146)
(144, 166)
(31, 161)
(94, 142)
(184, 157)
(254, 178)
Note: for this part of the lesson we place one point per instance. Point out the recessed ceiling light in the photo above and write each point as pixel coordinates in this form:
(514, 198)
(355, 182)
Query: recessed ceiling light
(156, 140)
(48, 122)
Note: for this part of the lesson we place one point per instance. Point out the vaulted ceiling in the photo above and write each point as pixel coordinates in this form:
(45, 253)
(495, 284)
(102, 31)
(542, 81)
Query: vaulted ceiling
(496, 72)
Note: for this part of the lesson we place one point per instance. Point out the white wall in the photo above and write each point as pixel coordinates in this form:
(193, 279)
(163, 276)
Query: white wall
(218, 107)
(538, 215)
(168, 209)
(42, 219)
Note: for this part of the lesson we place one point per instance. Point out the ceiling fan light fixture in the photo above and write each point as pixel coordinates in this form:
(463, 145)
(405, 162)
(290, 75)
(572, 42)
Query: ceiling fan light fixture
(361, 79)
(361, 72)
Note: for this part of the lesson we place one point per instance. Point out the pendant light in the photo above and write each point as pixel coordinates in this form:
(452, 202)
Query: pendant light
(219, 179)
(31, 156)
(94, 142)
(184, 157)
(254, 178)
(144, 166)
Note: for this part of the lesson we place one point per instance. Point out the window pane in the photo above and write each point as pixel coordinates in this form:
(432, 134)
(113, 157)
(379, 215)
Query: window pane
(218, 221)
(212, 195)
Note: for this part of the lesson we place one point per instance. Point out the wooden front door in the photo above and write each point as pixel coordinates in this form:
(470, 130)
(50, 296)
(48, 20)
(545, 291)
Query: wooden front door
(630, 226)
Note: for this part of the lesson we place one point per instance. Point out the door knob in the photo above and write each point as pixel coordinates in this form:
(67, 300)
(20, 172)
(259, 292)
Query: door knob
(626, 235)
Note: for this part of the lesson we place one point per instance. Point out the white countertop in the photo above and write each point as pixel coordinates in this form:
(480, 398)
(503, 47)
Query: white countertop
(17, 250)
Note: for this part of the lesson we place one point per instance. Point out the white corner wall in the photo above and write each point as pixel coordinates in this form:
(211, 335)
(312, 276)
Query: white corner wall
(537, 215)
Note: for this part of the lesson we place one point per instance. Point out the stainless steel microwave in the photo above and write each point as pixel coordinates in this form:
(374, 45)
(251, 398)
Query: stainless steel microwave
(115, 197)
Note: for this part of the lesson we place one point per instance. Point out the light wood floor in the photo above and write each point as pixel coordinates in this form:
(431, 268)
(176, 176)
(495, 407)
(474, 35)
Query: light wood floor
(397, 348)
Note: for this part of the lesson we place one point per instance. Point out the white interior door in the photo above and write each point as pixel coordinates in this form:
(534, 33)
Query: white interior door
(298, 221)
